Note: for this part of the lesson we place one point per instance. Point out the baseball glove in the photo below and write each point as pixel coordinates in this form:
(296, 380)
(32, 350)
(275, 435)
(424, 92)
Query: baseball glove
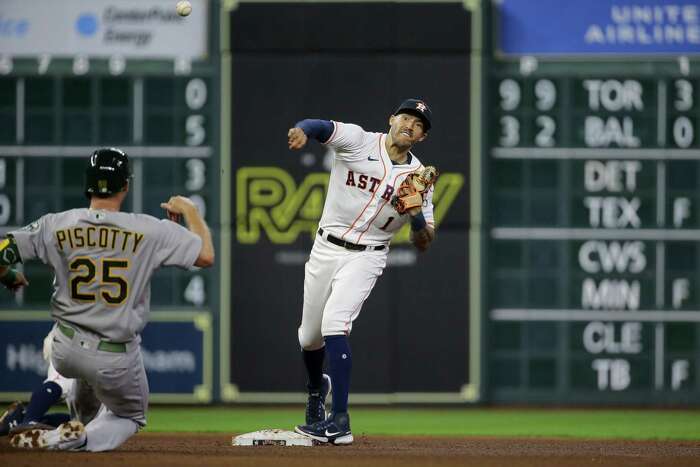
(412, 190)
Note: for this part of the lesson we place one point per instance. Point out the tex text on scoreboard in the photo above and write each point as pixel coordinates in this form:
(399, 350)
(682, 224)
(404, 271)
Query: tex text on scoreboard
(594, 200)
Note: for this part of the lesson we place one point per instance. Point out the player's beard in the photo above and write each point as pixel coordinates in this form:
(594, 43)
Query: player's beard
(400, 140)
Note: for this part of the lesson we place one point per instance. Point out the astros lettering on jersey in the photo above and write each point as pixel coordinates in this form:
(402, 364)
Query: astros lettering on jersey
(363, 180)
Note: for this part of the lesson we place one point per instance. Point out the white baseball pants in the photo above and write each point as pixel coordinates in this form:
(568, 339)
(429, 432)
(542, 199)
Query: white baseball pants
(337, 281)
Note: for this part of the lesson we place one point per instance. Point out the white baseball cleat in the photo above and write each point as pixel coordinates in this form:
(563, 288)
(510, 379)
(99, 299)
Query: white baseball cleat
(68, 436)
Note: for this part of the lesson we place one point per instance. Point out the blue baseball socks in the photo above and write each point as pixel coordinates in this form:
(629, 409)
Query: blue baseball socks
(41, 401)
(313, 360)
(340, 367)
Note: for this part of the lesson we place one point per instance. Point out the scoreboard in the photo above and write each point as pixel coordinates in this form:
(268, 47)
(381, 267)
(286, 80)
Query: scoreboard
(52, 122)
(134, 75)
(55, 110)
(592, 206)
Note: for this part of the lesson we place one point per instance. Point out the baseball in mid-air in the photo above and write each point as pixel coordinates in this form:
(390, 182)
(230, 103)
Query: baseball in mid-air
(183, 8)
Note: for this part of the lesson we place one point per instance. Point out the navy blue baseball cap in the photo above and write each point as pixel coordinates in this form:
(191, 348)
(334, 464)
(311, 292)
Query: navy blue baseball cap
(418, 108)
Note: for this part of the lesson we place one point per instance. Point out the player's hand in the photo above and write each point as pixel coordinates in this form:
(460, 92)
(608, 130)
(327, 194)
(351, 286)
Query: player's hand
(296, 138)
(413, 212)
(20, 281)
(177, 206)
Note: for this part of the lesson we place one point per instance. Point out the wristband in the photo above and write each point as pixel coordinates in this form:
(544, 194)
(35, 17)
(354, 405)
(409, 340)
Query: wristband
(9, 277)
(418, 222)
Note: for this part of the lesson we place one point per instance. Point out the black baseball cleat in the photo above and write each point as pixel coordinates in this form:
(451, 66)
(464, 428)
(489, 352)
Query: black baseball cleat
(334, 430)
(11, 417)
(316, 403)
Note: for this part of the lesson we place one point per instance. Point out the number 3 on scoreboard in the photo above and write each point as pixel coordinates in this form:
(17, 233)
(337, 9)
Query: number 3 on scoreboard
(84, 269)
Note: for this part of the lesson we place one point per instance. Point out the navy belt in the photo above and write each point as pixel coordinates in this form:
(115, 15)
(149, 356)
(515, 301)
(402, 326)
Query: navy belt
(350, 246)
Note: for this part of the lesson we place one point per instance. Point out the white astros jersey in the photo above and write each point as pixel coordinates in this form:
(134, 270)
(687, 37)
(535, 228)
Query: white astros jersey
(363, 180)
(103, 262)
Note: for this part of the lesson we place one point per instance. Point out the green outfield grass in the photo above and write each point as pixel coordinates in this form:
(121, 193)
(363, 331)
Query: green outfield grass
(579, 423)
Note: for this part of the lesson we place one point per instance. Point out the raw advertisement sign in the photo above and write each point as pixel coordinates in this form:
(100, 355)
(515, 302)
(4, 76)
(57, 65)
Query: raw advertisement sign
(102, 28)
(417, 315)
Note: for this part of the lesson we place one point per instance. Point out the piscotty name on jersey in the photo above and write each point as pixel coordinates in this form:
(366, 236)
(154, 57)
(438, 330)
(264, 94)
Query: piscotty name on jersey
(98, 237)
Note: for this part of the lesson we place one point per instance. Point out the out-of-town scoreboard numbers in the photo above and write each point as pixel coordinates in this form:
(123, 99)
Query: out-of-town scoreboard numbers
(56, 109)
(593, 204)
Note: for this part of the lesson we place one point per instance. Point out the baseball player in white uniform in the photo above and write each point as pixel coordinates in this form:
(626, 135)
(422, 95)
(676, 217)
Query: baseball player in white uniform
(350, 250)
(103, 261)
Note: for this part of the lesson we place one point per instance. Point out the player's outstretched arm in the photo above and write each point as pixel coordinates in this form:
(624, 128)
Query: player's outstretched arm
(9, 255)
(320, 130)
(180, 205)
(421, 233)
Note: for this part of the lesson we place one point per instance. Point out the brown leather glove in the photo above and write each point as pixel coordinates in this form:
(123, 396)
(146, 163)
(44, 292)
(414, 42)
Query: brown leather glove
(412, 190)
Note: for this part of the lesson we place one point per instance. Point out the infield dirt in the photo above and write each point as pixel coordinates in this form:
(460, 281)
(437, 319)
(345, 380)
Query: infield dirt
(202, 450)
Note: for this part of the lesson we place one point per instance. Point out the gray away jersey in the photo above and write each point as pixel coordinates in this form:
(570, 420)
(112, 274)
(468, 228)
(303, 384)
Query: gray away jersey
(103, 262)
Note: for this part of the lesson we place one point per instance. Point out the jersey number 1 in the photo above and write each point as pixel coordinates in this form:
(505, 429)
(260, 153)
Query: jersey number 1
(386, 224)
(85, 270)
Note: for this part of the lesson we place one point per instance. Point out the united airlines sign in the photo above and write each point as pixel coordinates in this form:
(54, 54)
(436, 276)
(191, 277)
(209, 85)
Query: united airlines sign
(557, 27)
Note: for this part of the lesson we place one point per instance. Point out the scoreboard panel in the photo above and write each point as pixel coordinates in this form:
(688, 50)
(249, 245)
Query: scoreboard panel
(55, 112)
(592, 216)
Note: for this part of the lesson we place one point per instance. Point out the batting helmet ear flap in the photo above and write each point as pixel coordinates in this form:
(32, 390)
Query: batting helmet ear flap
(107, 172)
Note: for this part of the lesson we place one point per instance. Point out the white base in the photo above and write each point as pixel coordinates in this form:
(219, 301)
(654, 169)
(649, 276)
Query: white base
(273, 437)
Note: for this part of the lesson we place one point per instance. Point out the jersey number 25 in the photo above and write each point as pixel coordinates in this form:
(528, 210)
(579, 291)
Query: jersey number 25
(114, 289)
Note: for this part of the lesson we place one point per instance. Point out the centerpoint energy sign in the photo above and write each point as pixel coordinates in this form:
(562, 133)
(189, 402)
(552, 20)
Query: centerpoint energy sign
(132, 28)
